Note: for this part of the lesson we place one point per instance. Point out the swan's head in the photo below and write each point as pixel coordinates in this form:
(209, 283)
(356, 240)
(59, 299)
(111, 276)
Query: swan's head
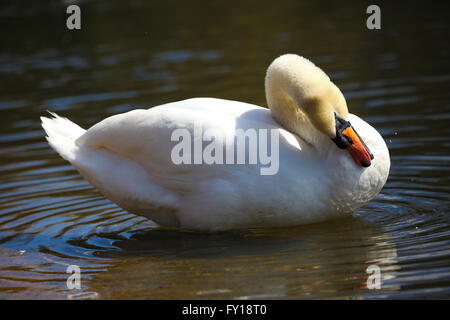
(346, 137)
(303, 99)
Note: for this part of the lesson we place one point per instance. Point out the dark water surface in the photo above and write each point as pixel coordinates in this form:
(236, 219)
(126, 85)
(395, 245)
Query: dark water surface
(137, 54)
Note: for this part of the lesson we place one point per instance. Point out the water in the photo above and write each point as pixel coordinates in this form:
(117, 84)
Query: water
(137, 54)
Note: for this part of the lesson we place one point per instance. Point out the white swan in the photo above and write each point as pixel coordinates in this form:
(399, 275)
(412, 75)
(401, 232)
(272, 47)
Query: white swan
(325, 168)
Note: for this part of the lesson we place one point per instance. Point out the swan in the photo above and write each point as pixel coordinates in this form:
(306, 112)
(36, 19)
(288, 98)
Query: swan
(331, 162)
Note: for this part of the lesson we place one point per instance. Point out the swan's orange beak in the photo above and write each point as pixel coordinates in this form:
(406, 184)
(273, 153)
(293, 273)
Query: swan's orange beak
(357, 148)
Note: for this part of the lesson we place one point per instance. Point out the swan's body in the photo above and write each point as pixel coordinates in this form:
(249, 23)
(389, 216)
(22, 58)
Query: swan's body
(128, 158)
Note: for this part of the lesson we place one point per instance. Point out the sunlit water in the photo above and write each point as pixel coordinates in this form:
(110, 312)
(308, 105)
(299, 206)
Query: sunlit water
(131, 54)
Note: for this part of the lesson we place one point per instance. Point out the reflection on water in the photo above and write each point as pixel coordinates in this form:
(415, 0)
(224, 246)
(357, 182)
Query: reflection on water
(138, 54)
(302, 262)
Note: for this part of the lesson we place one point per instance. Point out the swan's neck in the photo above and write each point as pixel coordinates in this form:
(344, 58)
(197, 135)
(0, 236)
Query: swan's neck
(285, 111)
(286, 100)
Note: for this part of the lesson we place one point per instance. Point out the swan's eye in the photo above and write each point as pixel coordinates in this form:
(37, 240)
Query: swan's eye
(341, 140)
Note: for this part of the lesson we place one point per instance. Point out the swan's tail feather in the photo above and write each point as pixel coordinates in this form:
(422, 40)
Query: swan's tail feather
(61, 135)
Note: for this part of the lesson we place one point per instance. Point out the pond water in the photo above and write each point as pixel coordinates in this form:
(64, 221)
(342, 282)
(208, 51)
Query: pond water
(138, 54)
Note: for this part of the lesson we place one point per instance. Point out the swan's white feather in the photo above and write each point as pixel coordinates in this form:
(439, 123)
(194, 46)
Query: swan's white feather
(127, 157)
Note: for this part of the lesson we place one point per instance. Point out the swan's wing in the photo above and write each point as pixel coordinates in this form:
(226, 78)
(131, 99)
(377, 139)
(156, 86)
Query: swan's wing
(128, 157)
(145, 136)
